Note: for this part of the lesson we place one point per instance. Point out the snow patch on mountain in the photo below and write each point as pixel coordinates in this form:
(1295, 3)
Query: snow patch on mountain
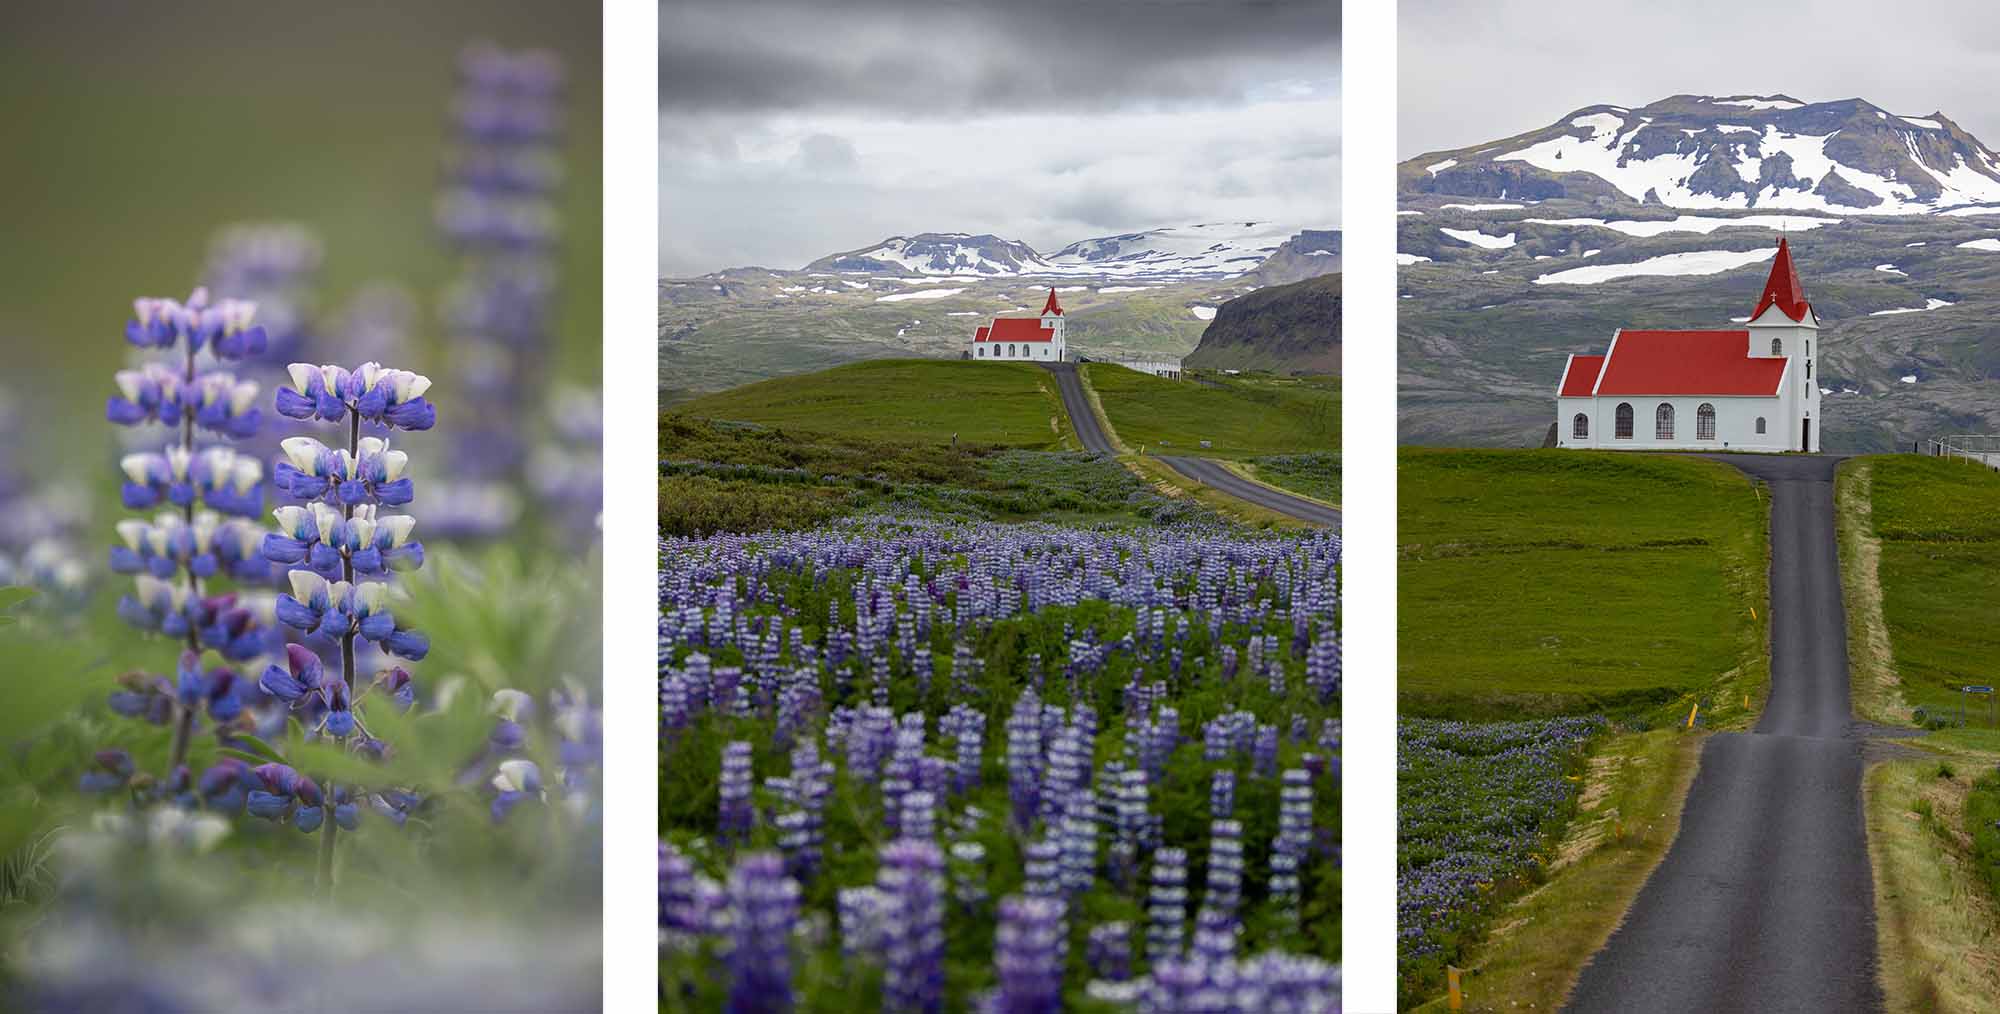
(1695, 262)
(1929, 304)
(918, 294)
(1703, 224)
(1480, 239)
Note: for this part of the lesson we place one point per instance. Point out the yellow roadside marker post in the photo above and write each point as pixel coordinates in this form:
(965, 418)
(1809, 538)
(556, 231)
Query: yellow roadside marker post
(1691, 713)
(1454, 998)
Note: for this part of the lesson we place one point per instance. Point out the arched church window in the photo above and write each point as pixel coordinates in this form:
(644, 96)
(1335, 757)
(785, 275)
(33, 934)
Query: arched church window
(1010, 351)
(1760, 424)
(982, 351)
(1579, 427)
(1777, 347)
(1704, 422)
(1623, 429)
(1663, 422)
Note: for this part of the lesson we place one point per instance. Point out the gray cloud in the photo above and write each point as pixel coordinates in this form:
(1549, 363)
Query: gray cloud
(1479, 70)
(790, 130)
(944, 58)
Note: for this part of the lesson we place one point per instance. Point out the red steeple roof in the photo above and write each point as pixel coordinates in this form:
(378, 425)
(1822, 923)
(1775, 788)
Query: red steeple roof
(1052, 306)
(1782, 289)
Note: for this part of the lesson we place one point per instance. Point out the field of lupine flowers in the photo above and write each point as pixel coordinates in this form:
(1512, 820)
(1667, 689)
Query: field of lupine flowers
(1477, 807)
(301, 644)
(911, 763)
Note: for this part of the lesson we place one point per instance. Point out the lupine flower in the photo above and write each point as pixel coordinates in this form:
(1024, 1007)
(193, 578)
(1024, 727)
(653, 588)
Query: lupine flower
(114, 769)
(217, 476)
(1166, 906)
(1027, 955)
(735, 819)
(1110, 951)
(764, 905)
(518, 780)
(391, 398)
(912, 879)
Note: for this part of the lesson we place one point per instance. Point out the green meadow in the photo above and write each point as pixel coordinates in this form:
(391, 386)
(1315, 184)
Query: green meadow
(916, 400)
(1240, 417)
(1542, 583)
(1938, 523)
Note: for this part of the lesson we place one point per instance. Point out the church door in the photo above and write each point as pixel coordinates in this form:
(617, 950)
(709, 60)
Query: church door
(1805, 441)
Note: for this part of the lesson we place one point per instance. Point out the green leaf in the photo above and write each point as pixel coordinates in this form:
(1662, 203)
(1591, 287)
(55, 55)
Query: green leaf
(327, 762)
(14, 595)
(242, 755)
(254, 747)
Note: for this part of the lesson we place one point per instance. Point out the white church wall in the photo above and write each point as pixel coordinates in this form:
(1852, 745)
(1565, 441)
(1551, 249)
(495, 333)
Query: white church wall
(1735, 423)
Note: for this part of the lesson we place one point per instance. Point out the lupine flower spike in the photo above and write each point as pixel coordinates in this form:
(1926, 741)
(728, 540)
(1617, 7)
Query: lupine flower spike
(196, 489)
(339, 542)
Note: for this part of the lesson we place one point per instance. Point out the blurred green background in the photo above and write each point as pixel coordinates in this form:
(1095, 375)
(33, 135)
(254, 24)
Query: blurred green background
(130, 132)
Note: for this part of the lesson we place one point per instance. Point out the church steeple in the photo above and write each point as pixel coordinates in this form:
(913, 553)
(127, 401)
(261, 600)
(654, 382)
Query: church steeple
(1782, 288)
(1052, 307)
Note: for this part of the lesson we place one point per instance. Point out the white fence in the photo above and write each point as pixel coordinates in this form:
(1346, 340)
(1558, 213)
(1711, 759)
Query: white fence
(1168, 368)
(1981, 448)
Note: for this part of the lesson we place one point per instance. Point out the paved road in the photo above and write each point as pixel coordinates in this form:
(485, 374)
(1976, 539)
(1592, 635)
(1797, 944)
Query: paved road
(1210, 473)
(1077, 403)
(1765, 902)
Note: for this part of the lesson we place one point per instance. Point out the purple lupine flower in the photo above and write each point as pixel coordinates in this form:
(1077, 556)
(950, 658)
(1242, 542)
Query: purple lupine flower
(1024, 751)
(1222, 794)
(1264, 757)
(1079, 841)
(912, 879)
(969, 727)
(1288, 850)
(733, 823)
(968, 866)
(806, 790)
(1027, 956)
(1166, 905)
(190, 543)
(1110, 951)
(1224, 887)
(764, 909)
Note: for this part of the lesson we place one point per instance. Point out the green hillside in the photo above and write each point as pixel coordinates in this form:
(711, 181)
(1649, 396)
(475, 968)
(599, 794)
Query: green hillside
(1240, 417)
(1554, 582)
(1938, 521)
(904, 400)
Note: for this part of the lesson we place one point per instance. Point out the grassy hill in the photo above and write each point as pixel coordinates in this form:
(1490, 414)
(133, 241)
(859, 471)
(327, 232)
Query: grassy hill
(1540, 582)
(917, 400)
(1938, 525)
(1240, 417)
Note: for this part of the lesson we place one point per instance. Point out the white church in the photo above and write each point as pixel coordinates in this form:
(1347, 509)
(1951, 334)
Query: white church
(1749, 389)
(1023, 339)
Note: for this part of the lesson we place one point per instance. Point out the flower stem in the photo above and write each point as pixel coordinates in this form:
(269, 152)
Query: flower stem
(329, 830)
(184, 727)
(323, 883)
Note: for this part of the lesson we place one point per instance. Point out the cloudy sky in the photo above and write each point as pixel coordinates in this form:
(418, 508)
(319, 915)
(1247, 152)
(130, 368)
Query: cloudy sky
(791, 129)
(1480, 70)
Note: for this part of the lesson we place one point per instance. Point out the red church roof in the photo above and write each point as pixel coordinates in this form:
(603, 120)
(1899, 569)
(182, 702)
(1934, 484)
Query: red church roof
(1015, 329)
(1782, 289)
(1686, 363)
(1052, 306)
(1581, 376)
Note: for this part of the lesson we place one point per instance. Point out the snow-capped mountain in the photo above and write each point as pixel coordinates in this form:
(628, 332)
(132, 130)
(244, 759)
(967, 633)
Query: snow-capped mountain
(1216, 250)
(938, 253)
(1740, 151)
(1211, 251)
